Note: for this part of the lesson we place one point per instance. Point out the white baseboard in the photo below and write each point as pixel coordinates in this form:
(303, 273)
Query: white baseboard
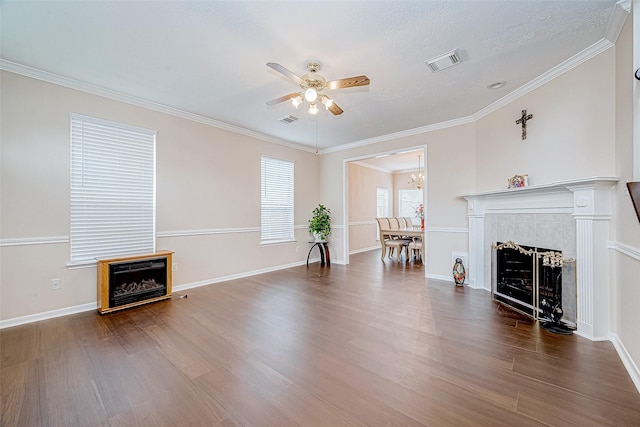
(372, 248)
(632, 368)
(242, 275)
(48, 315)
(440, 277)
(94, 305)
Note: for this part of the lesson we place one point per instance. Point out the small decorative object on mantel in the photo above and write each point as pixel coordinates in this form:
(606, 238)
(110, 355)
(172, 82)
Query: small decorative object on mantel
(320, 223)
(518, 181)
(523, 122)
(459, 272)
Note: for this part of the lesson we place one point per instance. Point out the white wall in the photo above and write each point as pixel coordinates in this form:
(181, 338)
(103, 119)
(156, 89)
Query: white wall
(627, 233)
(208, 182)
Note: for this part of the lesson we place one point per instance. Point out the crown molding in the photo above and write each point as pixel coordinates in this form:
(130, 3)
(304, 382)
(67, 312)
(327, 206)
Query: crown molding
(579, 58)
(140, 102)
(367, 165)
(616, 22)
(401, 134)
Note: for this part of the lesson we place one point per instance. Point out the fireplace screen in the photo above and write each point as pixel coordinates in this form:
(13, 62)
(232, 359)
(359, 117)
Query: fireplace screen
(135, 281)
(525, 282)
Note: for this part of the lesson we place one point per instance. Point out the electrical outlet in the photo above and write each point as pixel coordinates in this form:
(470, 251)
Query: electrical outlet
(56, 284)
(174, 266)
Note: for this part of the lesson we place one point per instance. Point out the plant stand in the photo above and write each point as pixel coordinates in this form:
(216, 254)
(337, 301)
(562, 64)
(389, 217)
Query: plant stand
(323, 247)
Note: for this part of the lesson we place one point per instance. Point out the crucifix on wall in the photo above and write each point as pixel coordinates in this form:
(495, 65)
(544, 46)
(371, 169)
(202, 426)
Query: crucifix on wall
(523, 121)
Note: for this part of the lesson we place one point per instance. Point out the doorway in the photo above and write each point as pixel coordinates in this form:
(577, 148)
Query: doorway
(373, 181)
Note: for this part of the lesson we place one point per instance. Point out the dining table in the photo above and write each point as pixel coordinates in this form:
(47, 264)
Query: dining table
(412, 233)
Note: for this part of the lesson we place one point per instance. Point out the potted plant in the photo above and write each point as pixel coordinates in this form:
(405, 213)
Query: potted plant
(320, 223)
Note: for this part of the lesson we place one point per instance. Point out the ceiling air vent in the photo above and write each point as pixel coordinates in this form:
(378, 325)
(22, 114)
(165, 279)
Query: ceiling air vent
(289, 119)
(441, 62)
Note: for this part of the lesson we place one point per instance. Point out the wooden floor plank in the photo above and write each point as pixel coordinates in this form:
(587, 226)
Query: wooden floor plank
(372, 344)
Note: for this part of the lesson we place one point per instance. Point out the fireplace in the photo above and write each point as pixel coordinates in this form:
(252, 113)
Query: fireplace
(131, 281)
(529, 279)
(135, 281)
(573, 216)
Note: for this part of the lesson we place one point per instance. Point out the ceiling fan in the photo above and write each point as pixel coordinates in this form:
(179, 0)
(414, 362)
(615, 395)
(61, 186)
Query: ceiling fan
(311, 86)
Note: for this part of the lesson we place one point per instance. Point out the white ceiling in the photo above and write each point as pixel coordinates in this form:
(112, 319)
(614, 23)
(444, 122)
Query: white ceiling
(208, 58)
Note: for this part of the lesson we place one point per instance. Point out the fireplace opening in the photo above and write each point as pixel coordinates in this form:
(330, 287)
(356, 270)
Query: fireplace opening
(134, 281)
(529, 279)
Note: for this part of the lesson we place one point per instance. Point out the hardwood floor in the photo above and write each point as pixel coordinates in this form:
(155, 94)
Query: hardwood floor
(371, 344)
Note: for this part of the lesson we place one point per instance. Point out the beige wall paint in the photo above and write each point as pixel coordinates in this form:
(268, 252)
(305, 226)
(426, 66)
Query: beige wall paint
(363, 184)
(207, 179)
(571, 135)
(627, 269)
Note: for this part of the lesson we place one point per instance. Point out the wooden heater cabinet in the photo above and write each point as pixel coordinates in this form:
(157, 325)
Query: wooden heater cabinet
(130, 281)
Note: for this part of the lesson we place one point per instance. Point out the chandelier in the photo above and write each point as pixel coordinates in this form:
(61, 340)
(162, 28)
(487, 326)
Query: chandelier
(417, 181)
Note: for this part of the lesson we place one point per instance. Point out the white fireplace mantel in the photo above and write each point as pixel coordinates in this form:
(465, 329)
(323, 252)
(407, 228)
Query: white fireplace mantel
(590, 201)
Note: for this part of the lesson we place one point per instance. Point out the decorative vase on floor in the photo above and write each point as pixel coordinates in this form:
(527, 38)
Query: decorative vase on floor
(459, 272)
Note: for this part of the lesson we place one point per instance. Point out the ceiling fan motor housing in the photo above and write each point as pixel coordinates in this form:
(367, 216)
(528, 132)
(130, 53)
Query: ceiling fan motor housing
(311, 79)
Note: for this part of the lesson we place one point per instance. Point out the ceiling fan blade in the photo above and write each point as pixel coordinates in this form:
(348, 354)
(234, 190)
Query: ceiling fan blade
(335, 109)
(349, 82)
(282, 99)
(279, 68)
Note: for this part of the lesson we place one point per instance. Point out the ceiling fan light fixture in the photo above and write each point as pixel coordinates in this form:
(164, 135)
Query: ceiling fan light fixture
(311, 85)
(327, 102)
(311, 95)
(297, 100)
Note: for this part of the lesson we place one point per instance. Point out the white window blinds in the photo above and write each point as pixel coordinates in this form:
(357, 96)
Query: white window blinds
(112, 190)
(276, 200)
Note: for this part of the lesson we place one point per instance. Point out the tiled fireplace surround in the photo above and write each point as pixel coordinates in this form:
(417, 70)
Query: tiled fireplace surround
(572, 216)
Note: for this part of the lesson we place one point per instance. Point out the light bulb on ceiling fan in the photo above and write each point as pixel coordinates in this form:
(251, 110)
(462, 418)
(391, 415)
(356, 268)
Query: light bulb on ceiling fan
(327, 102)
(313, 108)
(311, 95)
(296, 101)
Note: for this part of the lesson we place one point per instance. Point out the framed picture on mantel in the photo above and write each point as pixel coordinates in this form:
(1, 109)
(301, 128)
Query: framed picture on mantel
(634, 192)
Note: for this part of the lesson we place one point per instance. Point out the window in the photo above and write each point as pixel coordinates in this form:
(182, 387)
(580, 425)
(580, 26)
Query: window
(382, 206)
(382, 202)
(276, 223)
(409, 199)
(112, 190)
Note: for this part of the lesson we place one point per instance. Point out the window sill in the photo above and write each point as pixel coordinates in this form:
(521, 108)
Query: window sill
(277, 242)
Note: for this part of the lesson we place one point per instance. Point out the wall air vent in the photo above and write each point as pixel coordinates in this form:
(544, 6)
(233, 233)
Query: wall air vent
(289, 119)
(441, 62)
